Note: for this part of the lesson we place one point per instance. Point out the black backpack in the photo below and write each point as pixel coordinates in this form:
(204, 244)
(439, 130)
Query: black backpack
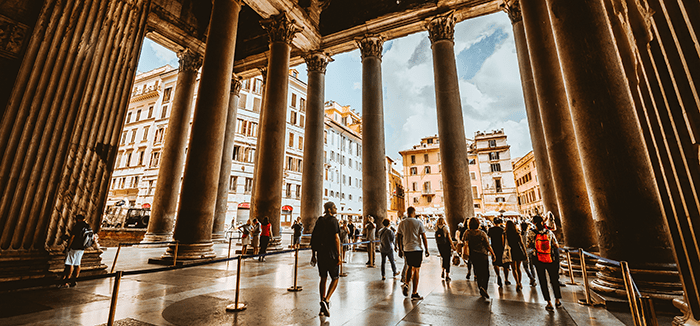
(87, 237)
(440, 236)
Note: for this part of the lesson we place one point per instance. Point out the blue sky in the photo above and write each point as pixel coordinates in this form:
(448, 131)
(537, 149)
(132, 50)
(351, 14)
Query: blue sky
(488, 73)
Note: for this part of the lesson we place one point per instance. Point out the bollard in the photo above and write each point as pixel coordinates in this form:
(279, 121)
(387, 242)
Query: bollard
(584, 271)
(177, 244)
(237, 306)
(115, 258)
(571, 269)
(229, 249)
(115, 294)
(295, 287)
(635, 307)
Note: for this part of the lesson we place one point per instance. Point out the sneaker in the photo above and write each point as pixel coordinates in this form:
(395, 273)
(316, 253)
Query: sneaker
(483, 293)
(557, 304)
(549, 307)
(562, 284)
(324, 309)
(383, 278)
(396, 274)
(404, 289)
(469, 275)
(416, 296)
(72, 284)
(507, 282)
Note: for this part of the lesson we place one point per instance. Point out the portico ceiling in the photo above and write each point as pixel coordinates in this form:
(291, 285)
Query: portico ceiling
(329, 25)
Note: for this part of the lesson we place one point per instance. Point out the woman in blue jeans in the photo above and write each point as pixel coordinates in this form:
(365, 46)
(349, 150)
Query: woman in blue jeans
(477, 249)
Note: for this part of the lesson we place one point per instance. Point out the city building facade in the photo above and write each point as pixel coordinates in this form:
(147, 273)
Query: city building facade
(528, 185)
(396, 205)
(499, 193)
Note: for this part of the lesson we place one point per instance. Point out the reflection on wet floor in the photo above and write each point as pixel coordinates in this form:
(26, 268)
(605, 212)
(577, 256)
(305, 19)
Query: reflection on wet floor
(199, 296)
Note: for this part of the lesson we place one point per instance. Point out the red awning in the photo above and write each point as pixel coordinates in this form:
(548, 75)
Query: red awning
(244, 205)
(146, 205)
(287, 208)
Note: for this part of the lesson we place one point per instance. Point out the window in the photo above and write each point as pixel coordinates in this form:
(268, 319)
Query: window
(415, 186)
(123, 142)
(426, 188)
(472, 162)
(291, 139)
(350, 197)
(301, 142)
(301, 120)
(426, 158)
(473, 175)
(430, 141)
(413, 159)
(232, 183)
(150, 111)
(477, 206)
(475, 192)
(500, 200)
(496, 167)
(325, 192)
(429, 199)
(344, 179)
(438, 155)
(290, 162)
(160, 134)
(167, 93)
(325, 136)
(499, 188)
(302, 105)
(248, 185)
(427, 170)
(155, 159)
(441, 185)
(332, 193)
(415, 200)
(298, 192)
(493, 156)
(257, 86)
(145, 133)
(138, 115)
(246, 84)
(492, 143)
(164, 112)
(128, 159)
(288, 191)
(414, 170)
(242, 101)
(293, 117)
(128, 117)
(294, 100)
(140, 157)
(256, 104)
(133, 136)
(299, 165)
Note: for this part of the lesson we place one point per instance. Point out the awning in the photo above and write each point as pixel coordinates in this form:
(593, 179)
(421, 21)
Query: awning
(287, 208)
(244, 205)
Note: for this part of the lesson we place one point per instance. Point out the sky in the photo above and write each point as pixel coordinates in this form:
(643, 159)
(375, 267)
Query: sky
(489, 83)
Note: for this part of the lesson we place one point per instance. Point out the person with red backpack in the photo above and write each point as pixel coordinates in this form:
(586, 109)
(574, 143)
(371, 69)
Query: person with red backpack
(545, 246)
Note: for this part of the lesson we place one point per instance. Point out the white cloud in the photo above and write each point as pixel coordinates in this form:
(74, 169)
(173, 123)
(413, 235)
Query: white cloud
(163, 54)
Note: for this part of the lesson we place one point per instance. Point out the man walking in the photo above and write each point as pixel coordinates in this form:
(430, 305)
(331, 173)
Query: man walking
(411, 231)
(386, 238)
(325, 250)
(76, 247)
(370, 230)
(298, 228)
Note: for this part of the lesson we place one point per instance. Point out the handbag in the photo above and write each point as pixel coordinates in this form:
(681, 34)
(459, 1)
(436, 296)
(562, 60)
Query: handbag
(456, 260)
(507, 257)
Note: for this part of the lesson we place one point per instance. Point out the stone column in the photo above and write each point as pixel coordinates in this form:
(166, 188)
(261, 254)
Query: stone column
(226, 161)
(373, 153)
(312, 176)
(539, 145)
(459, 203)
(172, 159)
(572, 196)
(199, 185)
(267, 198)
(622, 190)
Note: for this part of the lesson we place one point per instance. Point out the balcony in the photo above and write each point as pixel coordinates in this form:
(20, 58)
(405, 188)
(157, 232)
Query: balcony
(428, 192)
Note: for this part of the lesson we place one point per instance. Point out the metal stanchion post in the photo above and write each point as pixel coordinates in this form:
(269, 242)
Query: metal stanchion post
(649, 312)
(114, 263)
(635, 308)
(295, 287)
(571, 268)
(115, 294)
(177, 244)
(584, 271)
(229, 248)
(237, 306)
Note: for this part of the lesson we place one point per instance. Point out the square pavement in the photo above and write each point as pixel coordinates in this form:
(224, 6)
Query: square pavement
(199, 296)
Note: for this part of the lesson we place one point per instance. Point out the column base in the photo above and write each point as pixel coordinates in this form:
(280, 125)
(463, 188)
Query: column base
(157, 237)
(218, 238)
(190, 251)
(687, 318)
(659, 281)
(591, 267)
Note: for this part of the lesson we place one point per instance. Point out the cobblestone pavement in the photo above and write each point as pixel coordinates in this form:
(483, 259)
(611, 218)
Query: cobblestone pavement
(199, 295)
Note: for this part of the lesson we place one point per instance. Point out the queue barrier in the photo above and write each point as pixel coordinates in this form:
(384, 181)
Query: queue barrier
(641, 306)
(131, 244)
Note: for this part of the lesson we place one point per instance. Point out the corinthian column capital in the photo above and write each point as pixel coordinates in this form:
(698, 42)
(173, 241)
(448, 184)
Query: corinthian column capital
(512, 8)
(263, 73)
(280, 28)
(371, 45)
(442, 27)
(317, 61)
(236, 85)
(190, 61)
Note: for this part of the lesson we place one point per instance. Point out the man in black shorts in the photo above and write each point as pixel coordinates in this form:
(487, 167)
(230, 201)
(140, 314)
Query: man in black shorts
(325, 249)
(411, 232)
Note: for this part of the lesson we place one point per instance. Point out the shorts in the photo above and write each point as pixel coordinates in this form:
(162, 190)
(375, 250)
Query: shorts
(245, 240)
(74, 257)
(328, 268)
(414, 258)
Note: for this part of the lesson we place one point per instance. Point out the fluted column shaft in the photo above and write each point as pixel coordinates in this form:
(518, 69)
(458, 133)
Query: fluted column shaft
(534, 121)
(162, 221)
(312, 175)
(267, 198)
(459, 203)
(619, 176)
(565, 164)
(200, 182)
(226, 161)
(373, 147)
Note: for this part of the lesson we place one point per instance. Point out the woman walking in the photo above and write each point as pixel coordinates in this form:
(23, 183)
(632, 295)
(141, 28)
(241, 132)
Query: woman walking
(544, 243)
(516, 251)
(256, 236)
(245, 238)
(477, 249)
(265, 235)
(344, 232)
(445, 246)
(529, 263)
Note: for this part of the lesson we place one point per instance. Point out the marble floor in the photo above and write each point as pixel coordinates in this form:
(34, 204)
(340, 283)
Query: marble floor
(199, 296)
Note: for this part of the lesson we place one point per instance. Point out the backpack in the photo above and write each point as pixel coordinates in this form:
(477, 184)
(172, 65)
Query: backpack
(87, 237)
(440, 236)
(543, 247)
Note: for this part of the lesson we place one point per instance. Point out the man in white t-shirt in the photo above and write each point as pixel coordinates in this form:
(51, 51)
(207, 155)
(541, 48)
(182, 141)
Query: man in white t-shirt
(409, 235)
